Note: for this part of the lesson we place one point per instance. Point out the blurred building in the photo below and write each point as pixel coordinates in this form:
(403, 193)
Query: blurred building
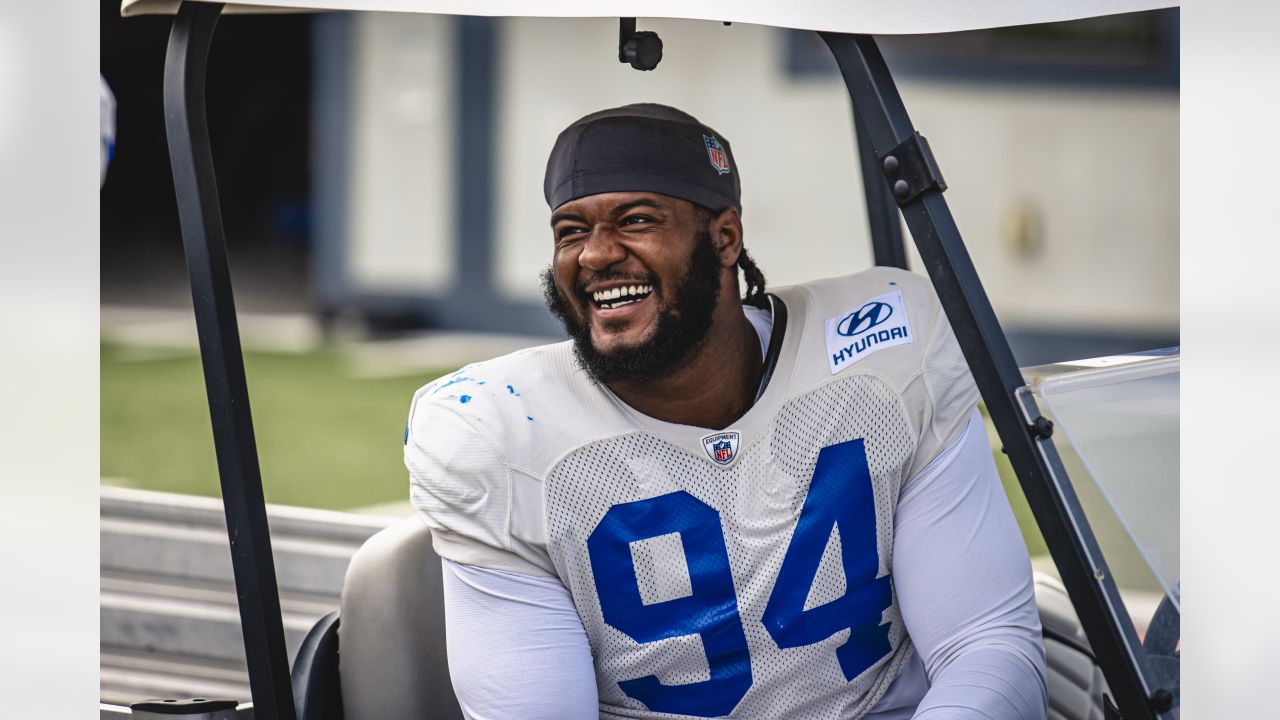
(415, 198)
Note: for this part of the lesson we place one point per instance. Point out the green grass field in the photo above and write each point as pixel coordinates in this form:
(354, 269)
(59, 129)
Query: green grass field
(1018, 501)
(326, 438)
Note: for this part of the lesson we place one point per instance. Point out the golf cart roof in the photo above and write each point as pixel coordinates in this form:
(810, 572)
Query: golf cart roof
(848, 16)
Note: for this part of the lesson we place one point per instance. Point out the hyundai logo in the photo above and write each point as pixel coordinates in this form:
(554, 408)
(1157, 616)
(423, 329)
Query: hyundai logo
(864, 318)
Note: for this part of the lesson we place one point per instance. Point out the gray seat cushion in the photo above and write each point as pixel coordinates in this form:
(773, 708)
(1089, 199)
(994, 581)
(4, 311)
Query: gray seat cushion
(391, 641)
(1074, 680)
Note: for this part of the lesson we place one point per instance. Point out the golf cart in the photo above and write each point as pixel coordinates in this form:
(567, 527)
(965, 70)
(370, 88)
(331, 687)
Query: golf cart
(382, 656)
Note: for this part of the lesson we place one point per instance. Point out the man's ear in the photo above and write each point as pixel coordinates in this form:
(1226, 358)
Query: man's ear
(726, 234)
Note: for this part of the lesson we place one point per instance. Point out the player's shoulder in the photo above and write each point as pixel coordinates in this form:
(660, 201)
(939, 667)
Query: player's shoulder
(886, 324)
(498, 377)
(849, 286)
(529, 405)
(876, 293)
(883, 321)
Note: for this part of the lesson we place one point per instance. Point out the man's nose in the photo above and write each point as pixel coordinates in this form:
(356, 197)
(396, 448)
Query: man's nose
(601, 250)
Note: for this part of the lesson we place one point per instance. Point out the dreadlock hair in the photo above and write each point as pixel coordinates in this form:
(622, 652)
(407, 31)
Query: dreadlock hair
(751, 273)
(755, 281)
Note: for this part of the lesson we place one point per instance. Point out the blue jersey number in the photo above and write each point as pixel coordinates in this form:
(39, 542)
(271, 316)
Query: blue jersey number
(840, 495)
(710, 611)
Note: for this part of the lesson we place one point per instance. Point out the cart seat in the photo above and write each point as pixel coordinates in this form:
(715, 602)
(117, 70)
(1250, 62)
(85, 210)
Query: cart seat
(393, 666)
(1074, 679)
(392, 659)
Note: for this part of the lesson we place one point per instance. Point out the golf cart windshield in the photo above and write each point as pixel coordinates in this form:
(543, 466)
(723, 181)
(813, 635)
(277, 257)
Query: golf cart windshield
(1115, 424)
(1118, 419)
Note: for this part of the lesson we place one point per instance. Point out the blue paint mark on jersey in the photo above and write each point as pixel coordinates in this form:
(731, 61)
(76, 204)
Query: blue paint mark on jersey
(512, 391)
(464, 399)
(453, 381)
(406, 434)
(529, 418)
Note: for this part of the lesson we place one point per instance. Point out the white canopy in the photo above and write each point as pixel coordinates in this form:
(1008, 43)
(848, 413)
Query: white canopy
(881, 17)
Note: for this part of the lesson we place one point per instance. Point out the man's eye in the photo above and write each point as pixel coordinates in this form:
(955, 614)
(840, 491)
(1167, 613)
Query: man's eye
(569, 231)
(636, 220)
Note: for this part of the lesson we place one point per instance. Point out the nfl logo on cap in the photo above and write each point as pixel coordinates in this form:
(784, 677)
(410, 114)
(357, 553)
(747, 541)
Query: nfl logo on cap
(721, 447)
(715, 151)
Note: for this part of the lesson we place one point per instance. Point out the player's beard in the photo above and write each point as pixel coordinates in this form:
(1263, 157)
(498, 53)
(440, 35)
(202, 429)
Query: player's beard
(683, 321)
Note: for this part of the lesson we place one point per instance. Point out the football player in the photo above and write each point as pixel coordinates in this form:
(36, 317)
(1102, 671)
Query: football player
(782, 505)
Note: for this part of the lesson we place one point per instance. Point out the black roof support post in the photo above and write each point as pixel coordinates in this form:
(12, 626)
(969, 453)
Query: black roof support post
(887, 244)
(207, 269)
(902, 153)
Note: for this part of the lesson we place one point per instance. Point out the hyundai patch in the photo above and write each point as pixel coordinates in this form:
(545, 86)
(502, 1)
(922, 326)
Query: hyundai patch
(879, 323)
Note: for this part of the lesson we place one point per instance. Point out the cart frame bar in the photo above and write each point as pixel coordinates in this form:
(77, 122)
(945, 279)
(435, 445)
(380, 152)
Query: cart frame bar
(204, 245)
(1056, 508)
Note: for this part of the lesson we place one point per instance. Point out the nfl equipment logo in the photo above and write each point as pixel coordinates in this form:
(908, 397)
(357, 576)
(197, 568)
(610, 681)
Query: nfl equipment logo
(721, 447)
(719, 158)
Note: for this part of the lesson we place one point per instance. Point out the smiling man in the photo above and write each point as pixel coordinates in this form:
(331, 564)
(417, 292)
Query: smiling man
(781, 505)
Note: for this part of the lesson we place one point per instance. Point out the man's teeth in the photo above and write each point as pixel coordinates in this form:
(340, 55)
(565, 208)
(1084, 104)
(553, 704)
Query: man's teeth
(616, 297)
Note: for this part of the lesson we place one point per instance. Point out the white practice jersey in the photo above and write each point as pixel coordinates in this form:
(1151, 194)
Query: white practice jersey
(742, 572)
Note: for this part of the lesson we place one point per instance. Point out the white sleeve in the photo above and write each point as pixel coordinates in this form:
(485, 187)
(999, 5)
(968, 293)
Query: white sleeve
(517, 649)
(963, 582)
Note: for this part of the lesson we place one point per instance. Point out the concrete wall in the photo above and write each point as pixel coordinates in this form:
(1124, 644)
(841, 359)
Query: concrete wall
(401, 154)
(1067, 194)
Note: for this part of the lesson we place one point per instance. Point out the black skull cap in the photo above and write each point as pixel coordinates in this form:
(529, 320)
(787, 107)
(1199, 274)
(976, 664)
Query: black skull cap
(643, 147)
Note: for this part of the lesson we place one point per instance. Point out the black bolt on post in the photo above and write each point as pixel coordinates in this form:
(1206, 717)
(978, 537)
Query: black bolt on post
(206, 254)
(918, 188)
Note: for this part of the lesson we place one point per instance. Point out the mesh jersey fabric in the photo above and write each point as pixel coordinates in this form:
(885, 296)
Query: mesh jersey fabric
(549, 676)
(518, 650)
(758, 499)
(515, 463)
